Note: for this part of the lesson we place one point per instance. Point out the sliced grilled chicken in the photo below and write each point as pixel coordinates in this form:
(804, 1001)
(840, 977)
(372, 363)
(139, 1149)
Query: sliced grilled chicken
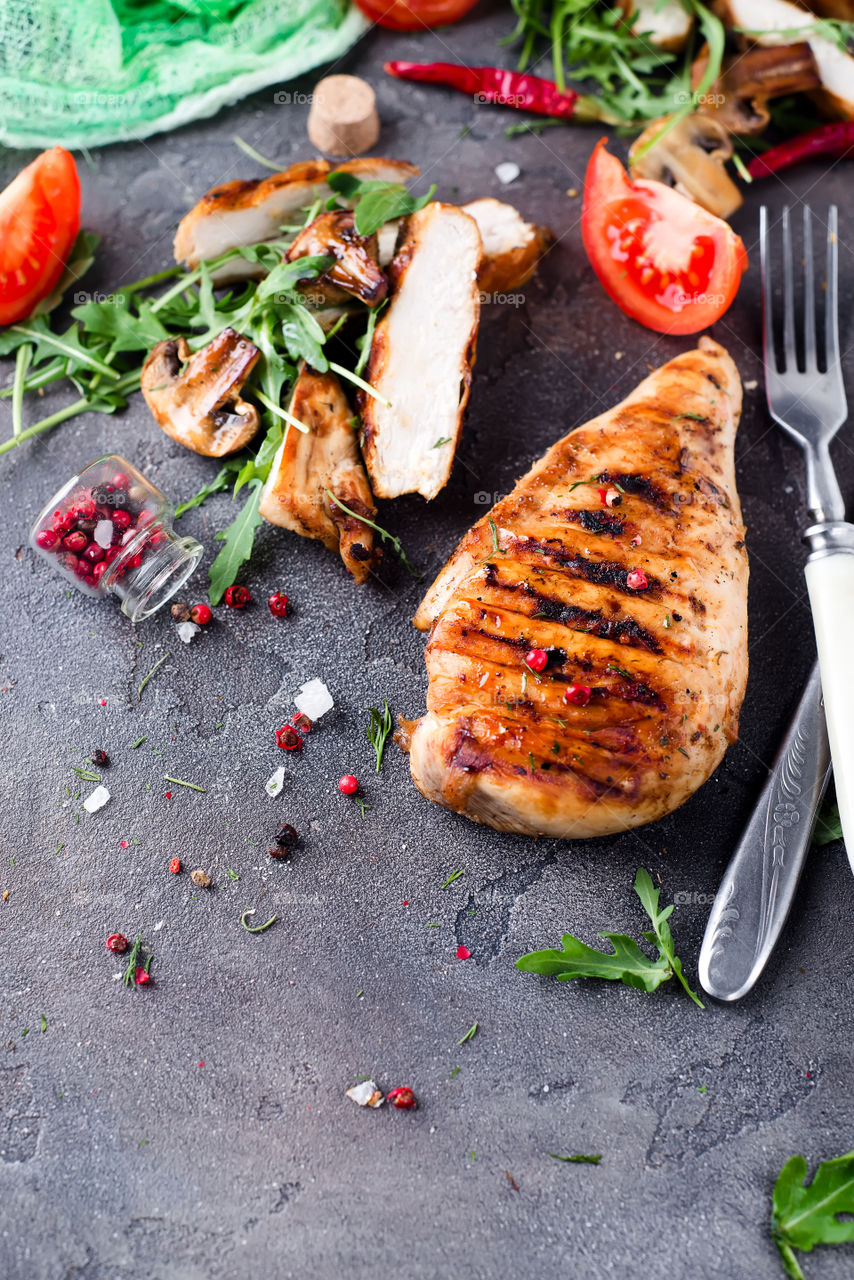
(776, 20)
(665, 23)
(422, 354)
(355, 272)
(235, 214)
(640, 607)
(512, 247)
(310, 467)
(195, 397)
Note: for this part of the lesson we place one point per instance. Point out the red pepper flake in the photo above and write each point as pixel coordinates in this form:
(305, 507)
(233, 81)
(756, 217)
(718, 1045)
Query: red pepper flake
(175, 866)
(142, 976)
(603, 496)
(463, 953)
(201, 1064)
(103, 702)
(168, 795)
(405, 903)
(637, 580)
(124, 844)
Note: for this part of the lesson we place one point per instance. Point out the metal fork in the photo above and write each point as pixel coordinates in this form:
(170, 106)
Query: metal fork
(810, 406)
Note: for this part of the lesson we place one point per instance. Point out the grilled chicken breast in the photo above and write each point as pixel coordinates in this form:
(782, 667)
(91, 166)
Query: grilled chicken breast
(512, 247)
(310, 467)
(621, 554)
(243, 213)
(422, 354)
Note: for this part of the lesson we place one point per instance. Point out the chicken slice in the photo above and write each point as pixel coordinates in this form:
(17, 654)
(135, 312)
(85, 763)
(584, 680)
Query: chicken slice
(355, 272)
(665, 23)
(640, 606)
(512, 247)
(236, 214)
(195, 397)
(309, 467)
(422, 354)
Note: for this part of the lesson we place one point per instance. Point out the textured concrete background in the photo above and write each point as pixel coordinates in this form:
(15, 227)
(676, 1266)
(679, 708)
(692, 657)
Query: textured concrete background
(198, 1128)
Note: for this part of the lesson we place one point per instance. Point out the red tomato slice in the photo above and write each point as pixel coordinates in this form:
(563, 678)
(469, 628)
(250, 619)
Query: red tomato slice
(39, 221)
(414, 15)
(663, 259)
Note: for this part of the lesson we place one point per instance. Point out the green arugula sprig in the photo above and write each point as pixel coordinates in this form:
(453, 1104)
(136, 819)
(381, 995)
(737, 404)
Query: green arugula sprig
(806, 1215)
(627, 963)
(376, 202)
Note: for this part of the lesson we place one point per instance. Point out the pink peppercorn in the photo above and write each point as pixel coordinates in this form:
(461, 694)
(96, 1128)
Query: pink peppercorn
(637, 580)
(577, 694)
(348, 785)
(536, 659)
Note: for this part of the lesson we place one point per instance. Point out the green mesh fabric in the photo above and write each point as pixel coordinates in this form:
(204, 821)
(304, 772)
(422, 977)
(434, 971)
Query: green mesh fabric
(86, 72)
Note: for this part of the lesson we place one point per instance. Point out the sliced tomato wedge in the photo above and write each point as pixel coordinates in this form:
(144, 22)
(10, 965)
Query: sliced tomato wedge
(664, 260)
(39, 221)
(414, 15)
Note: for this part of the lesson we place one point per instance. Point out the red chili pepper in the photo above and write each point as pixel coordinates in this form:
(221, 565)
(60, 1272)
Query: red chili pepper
(492, 84)
(827, 140)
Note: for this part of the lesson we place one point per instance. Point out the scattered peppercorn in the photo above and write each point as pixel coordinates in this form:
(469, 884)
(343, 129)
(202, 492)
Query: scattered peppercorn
(237, 597)
(175, 866)
(348, 785)
(579, 694)
(142, 976)
(404, 1099)
(200, 614)
(181, 612)
(201, 878)
(287, 738)
(301, 721)
(637, 580)
(279, 851)
(117, 943)
(100, 758)
(536, 659)
(278, 603)
(286, 836)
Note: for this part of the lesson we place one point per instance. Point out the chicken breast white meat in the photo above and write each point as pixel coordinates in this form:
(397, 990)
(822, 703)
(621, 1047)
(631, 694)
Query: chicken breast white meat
(620, 555)
(512, 247)
(422, 354)
(310, 471)
(240, 213)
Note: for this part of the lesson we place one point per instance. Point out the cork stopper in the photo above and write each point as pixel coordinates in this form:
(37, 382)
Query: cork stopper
(343, 120)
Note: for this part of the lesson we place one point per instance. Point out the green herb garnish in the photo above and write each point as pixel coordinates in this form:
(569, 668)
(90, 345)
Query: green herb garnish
(384, 533)
(153, 670)
(578, 1159)
(806, 1215)
(627, 963)
(472, 1031)
(378, 730)
(258, 928)
(179, 782)
(455, 875)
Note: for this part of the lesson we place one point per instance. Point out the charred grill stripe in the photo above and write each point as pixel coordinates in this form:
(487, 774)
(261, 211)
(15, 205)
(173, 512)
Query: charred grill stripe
(600, 573)
(640, 486)
(601, 522)
(624, 631)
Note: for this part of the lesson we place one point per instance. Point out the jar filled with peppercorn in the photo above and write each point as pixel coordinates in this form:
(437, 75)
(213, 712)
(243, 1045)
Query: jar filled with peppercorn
(108, 531)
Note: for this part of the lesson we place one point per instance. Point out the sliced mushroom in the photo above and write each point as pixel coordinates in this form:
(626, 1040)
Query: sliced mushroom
(772, 20)
(690, 157)
(355, 272)
(195, 397)
(309, 467)
(739, 96)
(665, 23)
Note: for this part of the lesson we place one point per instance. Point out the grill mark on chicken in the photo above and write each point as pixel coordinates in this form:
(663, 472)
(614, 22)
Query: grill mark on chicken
(640, 486)
(600, 573)
(601, 522)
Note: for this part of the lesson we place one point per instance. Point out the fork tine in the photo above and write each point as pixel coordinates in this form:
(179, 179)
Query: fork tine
(767, 305)
(789, 349)
(831, 313)
(810, 349)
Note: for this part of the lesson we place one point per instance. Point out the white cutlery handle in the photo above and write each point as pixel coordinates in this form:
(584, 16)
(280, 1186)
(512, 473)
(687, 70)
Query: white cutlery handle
(830, 582)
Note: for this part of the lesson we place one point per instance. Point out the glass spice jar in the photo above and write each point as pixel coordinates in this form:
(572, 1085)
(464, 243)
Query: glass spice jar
(108, 531)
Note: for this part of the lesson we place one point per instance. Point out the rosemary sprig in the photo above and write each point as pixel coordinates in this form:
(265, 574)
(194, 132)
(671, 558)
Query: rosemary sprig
(384, 533)
(379, 729)
(258, 928)
(153, 670)
(179, 782)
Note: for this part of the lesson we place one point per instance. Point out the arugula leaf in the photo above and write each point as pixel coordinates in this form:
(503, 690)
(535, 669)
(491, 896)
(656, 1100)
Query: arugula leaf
(364, 343)
(303, 337)
(377, 207)
(220, 481)
(806, 1215)
(284, 277)
(238, 539)
(626, 963)
(126, 331)
(79, 261)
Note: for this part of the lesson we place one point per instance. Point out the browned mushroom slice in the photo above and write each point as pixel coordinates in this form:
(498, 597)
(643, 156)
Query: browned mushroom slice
(310, 466)
(355, 271)
(739, 97)
(690, 157)
(195, 397)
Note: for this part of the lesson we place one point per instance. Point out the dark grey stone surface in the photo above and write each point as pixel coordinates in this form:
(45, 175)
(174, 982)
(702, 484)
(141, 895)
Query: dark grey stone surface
(121, 1155)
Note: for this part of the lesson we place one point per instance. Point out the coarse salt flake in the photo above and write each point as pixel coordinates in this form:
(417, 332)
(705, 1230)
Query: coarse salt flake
(103, 533)
(186, 631)
(366, 1094)
(314, 699)
(96, 800)
(507, 172)
(274, 784)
